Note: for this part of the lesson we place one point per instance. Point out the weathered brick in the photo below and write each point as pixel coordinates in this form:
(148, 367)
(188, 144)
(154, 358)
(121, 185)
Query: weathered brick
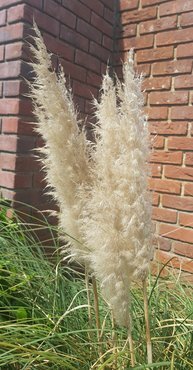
(60, 48)
(87, 61)
(7, 179)
(84, 90)
(180, 233)
(93, 79)
(152, 2)
(157, 25)
(143, 69)
(128, 4)
(175, 262)
(10, 69)
(166, 157)
(78, 8)
(127, 30)
(188, 189)
(174, 37)
(155, 199)
(184, 249)
(107, 42)
(74, 38)
(139, 15)
(59, 13)
(182, 113)
(157, 83)
(5, 3)
(176, 172)
(8, 143)
(12, 88)
(97, 50)
(175, 7)
(95, 6)
(180, 143)
(11, 32)
(43, 21)
(7, 161)
(165, 215)
(138, 42)
(2, 17)
(13, 50)
(14, 125)
(168, 128)
(155, 170)
(15, 13)
(9, 106)
(189, 159)
(165, 186)
(157, 142)
(101, 24)
(186, 19)
(73, 70)
(172, 67)
(168, 98)
(155, 113)
(183, 82)
(109, 15)
(144, 56)
(89, 31)
(177, 202)
(163, 244)
(186, 219)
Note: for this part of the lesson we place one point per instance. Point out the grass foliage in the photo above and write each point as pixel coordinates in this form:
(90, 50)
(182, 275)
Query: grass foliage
(44, 313)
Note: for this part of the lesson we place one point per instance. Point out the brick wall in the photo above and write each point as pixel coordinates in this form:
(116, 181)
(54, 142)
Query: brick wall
(161, 33)
(80, 35)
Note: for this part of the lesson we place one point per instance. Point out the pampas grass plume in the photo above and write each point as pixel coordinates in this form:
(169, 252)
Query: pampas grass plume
(101, 189)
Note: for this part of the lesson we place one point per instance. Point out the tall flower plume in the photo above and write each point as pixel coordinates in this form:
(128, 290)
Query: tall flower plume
(101, 188)
(66, 150)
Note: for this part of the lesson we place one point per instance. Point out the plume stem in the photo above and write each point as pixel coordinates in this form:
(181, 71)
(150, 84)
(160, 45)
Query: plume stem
(97, 315)
(131, 347)
(88, 300)
(147, 323)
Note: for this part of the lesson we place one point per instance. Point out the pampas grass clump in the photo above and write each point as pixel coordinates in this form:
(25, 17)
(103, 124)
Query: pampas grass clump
(101, 188)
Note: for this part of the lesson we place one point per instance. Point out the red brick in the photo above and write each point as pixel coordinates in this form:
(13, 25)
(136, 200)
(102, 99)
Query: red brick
(128, 4)
(12, 88)
(183, 82)
(107, 42)
(25, 144)
(138, 42)
(43, 21)
(7, 179)
(164, 244)
(108, 15)
(177, 202)
(89, 31)
(155, 199)
(185, 50)
(158, 25)
(1, 53)
(87, 61)
(152, 2)
(156, 170)
(165, 215)
(188, 189)
(10, 69)
(176, 262)
(60, 13)
(108, 3)
(144, 69)
(9, 106)
(186, 219)
(2, 17)
(101, 24)
(168, 98)
(155, 113)
(95, 6)
(139, 15)
(180, 143)
(93, 79)
(166, 157)
(11, 32)
(15, 13)
(165, 186)
(182, 113)
(155, 54)
(97, 50)
(84, 90)
(74, 38)
(157, 142)
(60, 48)
(8, 143)
(1, 93)
(26, 162)
(183, 249)
(127, 30)
(172, 67)
(7, 161)
(73, 70)
(186, 19)
(157, 83)
(176, 172)
(174, 37)
(5, 3)
(189, 159)
(13, 50)
(14, 125)
(168, 128)
(35, 3)
(180, 233)
(78, 8)
(176, 6)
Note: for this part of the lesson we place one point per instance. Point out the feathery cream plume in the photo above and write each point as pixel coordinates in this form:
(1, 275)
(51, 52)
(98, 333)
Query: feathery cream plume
(66, 150)
(119, 226)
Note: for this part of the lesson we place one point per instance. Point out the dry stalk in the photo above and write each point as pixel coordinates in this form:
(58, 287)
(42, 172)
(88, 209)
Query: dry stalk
(147, 323)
